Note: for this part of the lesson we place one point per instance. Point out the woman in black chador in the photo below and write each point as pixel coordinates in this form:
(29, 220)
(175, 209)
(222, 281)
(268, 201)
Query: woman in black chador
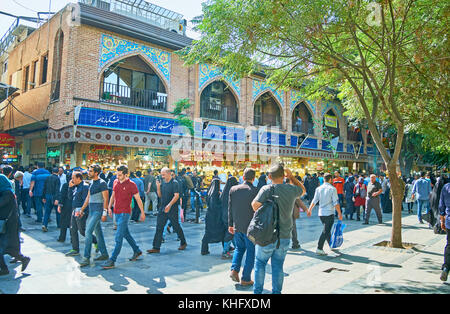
(9, 241)
(232, 181)
(215, 230)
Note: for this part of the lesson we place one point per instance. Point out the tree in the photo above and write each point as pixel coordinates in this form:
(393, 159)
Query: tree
(363, 49)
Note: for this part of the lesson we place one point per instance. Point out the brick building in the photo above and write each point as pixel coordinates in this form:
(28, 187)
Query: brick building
(117, 72)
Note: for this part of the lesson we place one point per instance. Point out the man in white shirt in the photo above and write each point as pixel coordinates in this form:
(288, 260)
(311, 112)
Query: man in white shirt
(326, 196)
(62, 177)
(26, 200)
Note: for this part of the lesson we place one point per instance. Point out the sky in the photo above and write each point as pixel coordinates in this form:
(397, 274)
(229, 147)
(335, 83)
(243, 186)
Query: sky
(188, 8)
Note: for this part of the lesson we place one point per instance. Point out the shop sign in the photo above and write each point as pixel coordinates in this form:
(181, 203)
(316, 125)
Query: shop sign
(331, 121)
(268, 138)
(95, 148)
(10, 158)
(53, 153)
(7, 140)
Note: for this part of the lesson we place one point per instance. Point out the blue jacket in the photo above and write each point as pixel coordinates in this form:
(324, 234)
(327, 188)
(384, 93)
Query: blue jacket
(422, 188)
(38, 177)
(444, 204)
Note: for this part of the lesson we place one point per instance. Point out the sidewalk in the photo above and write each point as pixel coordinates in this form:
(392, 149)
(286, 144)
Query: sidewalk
(359, 268)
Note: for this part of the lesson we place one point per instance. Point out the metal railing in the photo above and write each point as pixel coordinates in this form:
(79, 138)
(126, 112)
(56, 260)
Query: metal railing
(8, 37)
(133, 97)
(219, 112)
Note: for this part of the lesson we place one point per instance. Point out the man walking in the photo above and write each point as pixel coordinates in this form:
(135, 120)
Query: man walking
(374, 190)
(169, 193)
(150, 193)
(38, 178)
(78, 222)
(124, 191)
(444, 210)
(286, 195)
(97, 202)
(240, 213)
(422, 188)
(327, 198)
(338, 183)
(50, 193)
(26, 200)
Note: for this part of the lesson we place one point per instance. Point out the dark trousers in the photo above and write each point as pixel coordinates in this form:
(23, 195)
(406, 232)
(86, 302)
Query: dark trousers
(327, 222)
(447, 253)
(136, 212)
(375, 204)
(26, 201)
(161, 222)
(294, 233)
(78, 225)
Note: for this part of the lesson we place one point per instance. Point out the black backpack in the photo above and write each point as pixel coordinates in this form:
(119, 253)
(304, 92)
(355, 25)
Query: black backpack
(264, 228)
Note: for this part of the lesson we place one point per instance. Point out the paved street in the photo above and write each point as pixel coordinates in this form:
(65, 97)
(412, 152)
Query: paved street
(360, 268)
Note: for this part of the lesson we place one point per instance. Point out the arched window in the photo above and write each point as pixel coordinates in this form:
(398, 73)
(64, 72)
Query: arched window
(218, 102)
(132, 82)
(331, 122)
(57, 65)
(267, 112)
(302, 121)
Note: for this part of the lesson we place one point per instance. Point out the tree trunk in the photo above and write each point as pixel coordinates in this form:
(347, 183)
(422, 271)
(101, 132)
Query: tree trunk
(397, 191)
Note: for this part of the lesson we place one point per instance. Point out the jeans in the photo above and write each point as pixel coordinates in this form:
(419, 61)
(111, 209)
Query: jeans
(196, 196)
(447, 253)
(121, 233)
(243, 244)
(327, 222)
(420, 205)
(39, 207)
(3, 246)
(93, 225)
(277, 256)
(49, 206)
(78, 225)
(153, 198)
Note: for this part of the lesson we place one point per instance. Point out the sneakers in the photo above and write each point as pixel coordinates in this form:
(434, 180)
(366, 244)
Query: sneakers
(101, 258)
(85, 262)
(96, 248)
(247, 283)
(135, 256)
(444, 274)
(72, 253)
(109, 264)
(227, 255)
(296, 246)
(44, 229)
(321, 252)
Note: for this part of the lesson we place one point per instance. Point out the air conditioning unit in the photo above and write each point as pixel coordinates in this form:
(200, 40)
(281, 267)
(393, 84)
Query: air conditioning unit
(215, 104)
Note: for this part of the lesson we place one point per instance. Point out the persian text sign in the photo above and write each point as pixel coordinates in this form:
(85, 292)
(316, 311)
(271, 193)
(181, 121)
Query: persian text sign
(7, 140)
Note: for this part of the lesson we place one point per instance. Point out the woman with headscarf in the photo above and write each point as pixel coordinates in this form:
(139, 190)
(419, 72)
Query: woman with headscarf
(408, 195)
(9, 241)
(359, 198)
(349, 186)
(65, 198)
(434, 204)
(232, 181)
(214, 228)
(261, 182)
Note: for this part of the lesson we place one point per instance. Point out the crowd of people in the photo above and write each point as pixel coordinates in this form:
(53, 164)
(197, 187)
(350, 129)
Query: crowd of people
(81, 205)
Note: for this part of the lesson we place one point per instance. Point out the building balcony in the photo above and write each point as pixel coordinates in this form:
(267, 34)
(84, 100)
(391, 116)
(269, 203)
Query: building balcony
(133, 97)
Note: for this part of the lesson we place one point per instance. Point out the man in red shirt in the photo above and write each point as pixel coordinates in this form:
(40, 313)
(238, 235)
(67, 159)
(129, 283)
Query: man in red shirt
(338, 183)
(123, 192)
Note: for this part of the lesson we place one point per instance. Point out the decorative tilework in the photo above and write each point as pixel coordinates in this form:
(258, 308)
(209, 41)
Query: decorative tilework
(112, 48)
(296, 96)
(260, 87)
(332, 105)
(209, 73)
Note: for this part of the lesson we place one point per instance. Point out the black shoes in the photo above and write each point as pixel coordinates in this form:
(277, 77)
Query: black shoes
(25, 261)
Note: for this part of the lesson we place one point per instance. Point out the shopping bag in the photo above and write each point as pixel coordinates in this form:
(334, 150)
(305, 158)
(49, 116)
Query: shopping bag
(337, 235)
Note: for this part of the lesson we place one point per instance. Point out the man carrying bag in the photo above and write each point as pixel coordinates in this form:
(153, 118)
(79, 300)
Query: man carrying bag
(277, 198)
